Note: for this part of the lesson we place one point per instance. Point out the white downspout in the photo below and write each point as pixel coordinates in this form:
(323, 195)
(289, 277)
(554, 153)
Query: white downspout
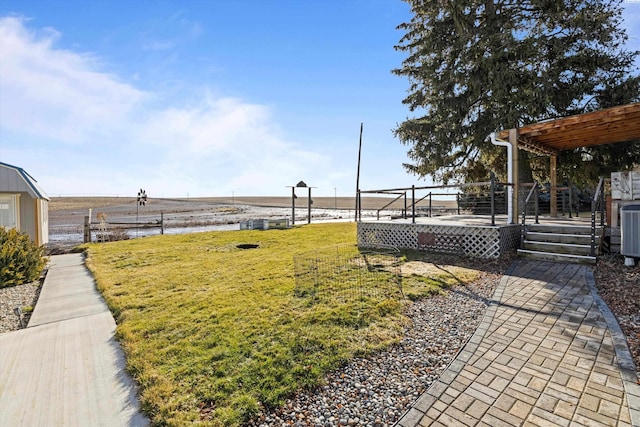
(496, 141)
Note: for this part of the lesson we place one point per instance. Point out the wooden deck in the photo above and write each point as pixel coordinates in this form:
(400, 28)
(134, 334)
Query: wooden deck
(468, 235)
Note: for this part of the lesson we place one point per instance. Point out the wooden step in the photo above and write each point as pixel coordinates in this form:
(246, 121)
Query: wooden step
(546, 256)
(576, 239)
(561, 229)
(558, 248)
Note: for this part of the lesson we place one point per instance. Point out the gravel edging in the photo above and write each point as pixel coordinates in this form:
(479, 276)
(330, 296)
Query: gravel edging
(376, 390)
(619, 286)
(17, 296)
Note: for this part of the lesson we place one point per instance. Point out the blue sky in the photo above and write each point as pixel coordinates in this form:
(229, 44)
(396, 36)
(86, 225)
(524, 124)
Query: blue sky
(205, 98)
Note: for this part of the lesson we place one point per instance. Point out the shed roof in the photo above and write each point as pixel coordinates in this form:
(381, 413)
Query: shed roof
(16, 179)
(608, 126)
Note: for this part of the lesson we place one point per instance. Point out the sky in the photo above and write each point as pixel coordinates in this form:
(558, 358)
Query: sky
(199, 98)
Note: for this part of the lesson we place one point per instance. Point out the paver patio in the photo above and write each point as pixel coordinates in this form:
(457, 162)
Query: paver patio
(548, 353)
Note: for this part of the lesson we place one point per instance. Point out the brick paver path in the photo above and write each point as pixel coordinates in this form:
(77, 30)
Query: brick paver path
(548, 353)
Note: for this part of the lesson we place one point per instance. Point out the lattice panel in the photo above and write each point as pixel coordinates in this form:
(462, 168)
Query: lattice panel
(478, 241)
(509, 238)
(435, 242)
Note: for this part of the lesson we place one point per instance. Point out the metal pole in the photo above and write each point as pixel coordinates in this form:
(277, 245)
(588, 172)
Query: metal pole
(309, 208)
(537, 208)
(493, 198)
(522, 228)
(358, 175)
(593, 227)
(293, 205)
(602, 199)
(413, 204)
(161, 222)
(404, 212)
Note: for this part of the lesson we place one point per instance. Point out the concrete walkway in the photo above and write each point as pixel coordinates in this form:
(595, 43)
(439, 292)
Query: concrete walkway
(66, 368)
(548, 353)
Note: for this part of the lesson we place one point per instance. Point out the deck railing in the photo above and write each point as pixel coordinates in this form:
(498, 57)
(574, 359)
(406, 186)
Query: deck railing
(532, 193)
(566, 199)
(597, 203)
(473, 199)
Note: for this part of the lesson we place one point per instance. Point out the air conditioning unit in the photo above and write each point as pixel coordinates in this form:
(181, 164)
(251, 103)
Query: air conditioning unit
(630, 231)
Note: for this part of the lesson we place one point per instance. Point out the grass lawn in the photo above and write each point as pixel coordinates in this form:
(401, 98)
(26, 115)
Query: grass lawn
(211, 331)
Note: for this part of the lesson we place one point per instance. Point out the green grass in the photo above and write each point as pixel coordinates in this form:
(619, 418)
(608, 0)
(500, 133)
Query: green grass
(211, 332)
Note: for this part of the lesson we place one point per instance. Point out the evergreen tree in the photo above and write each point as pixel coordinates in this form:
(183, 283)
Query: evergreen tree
(479, 66)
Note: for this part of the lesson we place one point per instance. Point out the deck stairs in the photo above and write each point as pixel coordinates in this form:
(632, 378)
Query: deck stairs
(565, 243)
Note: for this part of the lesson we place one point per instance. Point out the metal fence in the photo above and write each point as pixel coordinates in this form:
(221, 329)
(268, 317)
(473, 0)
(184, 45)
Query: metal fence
(359, 280)
(479, 198)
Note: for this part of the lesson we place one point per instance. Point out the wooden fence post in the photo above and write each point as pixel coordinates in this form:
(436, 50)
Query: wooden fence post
(87, 230)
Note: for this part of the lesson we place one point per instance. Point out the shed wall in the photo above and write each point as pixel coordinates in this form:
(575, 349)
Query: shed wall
(27, 215)
(33, 212)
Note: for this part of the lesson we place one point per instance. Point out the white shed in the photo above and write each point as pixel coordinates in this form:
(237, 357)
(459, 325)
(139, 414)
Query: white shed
(23, 204)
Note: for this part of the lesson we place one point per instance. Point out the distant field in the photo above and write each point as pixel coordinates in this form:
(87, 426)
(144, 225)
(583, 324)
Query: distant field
(157, 204)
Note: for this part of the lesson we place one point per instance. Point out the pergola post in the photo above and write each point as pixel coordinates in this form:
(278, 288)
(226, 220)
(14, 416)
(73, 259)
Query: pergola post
(513, 140)
(553, 178)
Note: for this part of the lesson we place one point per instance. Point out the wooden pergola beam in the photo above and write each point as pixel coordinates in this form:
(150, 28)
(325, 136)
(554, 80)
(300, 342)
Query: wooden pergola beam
(532, 146)
(612, 125)
(608, 126)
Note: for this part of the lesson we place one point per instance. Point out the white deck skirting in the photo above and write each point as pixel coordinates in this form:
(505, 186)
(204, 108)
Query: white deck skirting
(480, 241)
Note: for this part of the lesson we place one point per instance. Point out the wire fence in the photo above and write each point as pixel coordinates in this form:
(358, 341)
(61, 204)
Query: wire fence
(356, 282)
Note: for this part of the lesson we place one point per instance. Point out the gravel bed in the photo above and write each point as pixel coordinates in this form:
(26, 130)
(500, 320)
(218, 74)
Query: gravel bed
(376, 390)
(17, 296)
(619, 287)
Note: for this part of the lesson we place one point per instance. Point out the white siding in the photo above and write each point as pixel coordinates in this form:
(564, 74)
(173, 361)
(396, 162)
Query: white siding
(625, 185)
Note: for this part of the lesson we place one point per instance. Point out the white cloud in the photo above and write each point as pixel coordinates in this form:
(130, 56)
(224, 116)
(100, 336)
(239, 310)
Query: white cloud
(223, 145)
(213, 124)
(87, 132)
(56, 93)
